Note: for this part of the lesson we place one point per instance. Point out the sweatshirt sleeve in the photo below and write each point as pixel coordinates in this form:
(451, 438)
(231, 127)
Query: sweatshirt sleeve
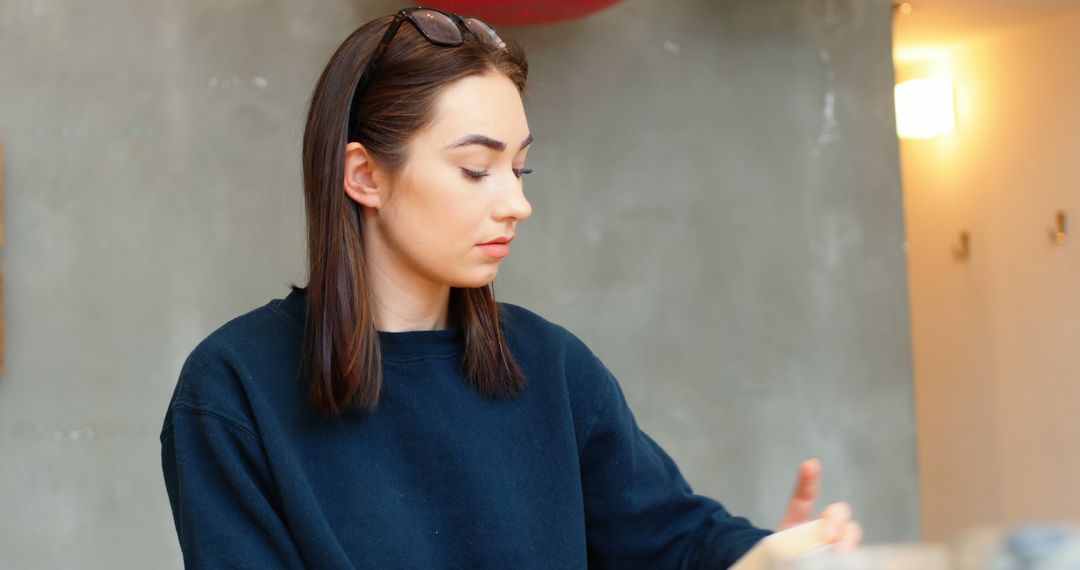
(217, 485)
(639, 511)
(217, 475)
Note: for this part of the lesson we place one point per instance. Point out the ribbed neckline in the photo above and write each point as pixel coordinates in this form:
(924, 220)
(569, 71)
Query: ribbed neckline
(406, 345)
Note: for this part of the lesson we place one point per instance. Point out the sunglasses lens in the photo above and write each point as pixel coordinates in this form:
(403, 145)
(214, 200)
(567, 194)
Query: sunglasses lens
(485, 32)
(438, 27)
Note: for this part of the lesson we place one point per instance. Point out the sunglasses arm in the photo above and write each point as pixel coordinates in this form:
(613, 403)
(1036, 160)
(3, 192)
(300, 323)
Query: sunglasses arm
(392, 29)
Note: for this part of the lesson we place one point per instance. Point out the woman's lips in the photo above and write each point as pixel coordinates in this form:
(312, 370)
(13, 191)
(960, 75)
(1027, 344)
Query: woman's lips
(498, 247)
(496, 250)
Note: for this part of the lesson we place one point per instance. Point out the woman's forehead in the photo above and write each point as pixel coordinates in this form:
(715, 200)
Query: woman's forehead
(487, 105)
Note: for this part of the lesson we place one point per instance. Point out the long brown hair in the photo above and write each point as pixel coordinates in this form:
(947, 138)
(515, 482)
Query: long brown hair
(341, 351)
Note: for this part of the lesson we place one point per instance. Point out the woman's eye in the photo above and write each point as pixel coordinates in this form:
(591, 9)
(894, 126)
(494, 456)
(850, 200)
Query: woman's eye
(474, 174)
(477, 175)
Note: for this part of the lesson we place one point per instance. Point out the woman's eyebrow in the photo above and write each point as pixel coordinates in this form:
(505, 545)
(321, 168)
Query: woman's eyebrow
(488, 142)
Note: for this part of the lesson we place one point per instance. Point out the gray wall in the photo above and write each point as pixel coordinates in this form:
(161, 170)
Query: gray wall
(717, 212)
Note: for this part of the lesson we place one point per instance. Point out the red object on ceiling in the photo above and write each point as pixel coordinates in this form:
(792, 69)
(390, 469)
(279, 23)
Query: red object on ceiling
(521, 12)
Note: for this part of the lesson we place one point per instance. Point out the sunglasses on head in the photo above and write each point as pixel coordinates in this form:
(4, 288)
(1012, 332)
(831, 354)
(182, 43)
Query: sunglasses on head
(438, 27)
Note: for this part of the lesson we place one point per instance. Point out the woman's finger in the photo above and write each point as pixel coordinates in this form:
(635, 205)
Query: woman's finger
(835, 518)
(851, 537)
(837, 512)
(807, 486)
(808, 482)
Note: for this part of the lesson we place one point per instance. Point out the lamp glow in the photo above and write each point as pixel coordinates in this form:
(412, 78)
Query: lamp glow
(924, 108)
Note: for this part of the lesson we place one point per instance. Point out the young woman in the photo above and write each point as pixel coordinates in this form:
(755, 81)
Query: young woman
(391, 413)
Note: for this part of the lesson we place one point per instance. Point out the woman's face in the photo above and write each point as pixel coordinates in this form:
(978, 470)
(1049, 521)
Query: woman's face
(460, 187)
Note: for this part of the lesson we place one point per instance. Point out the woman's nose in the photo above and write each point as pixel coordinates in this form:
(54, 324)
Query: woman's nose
(514, 204)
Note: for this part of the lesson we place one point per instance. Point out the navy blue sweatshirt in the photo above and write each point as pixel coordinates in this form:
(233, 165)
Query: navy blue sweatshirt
(438, 476)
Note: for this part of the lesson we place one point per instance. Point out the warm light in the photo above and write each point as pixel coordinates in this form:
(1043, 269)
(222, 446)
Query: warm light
(924, 108)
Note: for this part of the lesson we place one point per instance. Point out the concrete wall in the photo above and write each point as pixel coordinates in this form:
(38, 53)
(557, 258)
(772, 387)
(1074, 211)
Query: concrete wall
(717, 212)
(995, 335)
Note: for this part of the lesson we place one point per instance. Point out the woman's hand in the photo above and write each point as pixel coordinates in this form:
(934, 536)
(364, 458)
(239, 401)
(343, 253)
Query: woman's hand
(838, 529)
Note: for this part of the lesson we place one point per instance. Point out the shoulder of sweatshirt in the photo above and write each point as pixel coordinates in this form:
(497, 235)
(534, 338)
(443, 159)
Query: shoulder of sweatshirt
(542, 345)
(213, 376)
(534, 336)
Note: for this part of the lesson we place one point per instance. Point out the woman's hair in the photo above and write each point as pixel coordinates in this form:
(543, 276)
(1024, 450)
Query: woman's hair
(340, 351)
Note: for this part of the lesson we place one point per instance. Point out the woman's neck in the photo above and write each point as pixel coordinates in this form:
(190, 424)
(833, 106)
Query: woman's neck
(404, 302)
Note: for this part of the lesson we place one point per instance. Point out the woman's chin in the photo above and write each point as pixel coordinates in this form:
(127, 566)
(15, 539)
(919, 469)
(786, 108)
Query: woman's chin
(479, 279)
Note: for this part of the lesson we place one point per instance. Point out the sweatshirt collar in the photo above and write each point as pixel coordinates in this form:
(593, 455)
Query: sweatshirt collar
(405, 345)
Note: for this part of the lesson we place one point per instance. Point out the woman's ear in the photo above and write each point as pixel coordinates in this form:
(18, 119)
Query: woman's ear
(364, 182)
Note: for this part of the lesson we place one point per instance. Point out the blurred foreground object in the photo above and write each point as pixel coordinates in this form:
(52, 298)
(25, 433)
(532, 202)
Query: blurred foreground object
(1025, 547)
(876, 557)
